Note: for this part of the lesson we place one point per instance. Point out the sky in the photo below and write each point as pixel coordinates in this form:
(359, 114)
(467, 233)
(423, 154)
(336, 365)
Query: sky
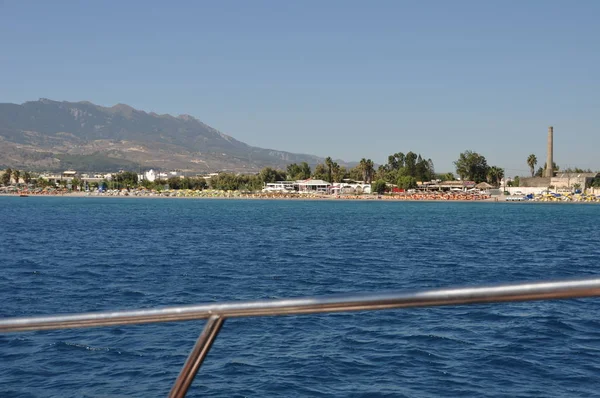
(346, 79)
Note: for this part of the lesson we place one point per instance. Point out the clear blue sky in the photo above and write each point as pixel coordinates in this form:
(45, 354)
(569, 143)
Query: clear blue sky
(346, 79)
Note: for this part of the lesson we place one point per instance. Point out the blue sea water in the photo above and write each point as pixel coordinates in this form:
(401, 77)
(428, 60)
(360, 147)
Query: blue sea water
(60, 255)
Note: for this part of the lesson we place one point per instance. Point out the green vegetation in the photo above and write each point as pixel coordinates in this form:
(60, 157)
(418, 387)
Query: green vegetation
(406, 182)
(472, 166)
(244, 182)
(6, 176)
(577, 170)
(540, 171)
(405, 171)
(379, 187)
(298, 172)
(531, 162)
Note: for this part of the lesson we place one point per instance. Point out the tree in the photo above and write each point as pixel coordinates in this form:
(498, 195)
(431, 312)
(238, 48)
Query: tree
(355, 173)
(126, 179)
(471, 166)
(27, 177)
(577, 170)
(424, 169)
(410, 163)
(499, 174)
(76, 182)
(320, 172)
(298, 172)
(197, 183)
(292, 171)
(304, 171)
(16, 175)
(531, 162)
(379, 186)
(369, 170)
(495, 175)
(445, 177)
(329, 165)
(540, 172)
(396, 161)
(174, 183)
(269, 174)
(338, 172)
(40, 182)
(362, 165)
(407, 182)
(6, 177)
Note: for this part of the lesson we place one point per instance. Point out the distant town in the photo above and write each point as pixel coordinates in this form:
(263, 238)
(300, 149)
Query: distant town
(408, 176)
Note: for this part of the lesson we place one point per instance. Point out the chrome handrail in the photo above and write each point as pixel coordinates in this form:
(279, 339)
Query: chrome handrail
(216, 313)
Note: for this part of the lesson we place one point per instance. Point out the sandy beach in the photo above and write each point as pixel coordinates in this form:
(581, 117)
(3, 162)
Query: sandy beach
(208, 194)
(237, 195)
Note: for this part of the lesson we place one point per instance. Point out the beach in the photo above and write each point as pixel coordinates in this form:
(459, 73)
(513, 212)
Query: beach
(215, 194)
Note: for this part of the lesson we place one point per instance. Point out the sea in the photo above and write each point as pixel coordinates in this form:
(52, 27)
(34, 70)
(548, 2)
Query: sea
(69, 255)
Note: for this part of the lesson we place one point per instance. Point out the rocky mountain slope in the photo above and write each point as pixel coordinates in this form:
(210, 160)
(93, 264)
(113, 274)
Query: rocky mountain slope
(52, 135)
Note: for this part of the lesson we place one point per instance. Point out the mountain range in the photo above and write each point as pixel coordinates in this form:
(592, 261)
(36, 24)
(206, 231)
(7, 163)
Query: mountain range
(53, 135)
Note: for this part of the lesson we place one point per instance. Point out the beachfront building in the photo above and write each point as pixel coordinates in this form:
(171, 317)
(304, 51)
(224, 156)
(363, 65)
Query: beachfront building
(312, 186)
(570, 181)
(280, 186)
(55, 178)
(454, 186)
(350, 187)
(152, 175)
(149, 175)
(561, 181)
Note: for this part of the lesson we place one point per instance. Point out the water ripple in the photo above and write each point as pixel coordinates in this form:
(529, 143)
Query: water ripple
(70, 255)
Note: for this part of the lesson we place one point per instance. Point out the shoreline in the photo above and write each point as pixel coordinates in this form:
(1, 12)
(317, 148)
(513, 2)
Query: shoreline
(354, 198)
(261, 196)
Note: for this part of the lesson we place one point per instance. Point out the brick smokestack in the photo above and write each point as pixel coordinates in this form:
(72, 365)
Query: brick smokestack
(549, 172)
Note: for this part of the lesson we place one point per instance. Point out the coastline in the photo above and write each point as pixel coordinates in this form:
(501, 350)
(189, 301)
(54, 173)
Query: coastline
(261, 196)
(372, 198)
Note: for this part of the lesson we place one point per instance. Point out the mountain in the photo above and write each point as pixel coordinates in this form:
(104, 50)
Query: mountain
(53, 135)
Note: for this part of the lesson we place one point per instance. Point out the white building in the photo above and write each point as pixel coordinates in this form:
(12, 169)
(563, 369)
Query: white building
(311, 185)
(350, 187)
(280, 186)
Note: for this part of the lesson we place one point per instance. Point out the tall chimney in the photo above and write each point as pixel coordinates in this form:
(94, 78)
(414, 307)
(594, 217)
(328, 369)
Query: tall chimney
(549, 172)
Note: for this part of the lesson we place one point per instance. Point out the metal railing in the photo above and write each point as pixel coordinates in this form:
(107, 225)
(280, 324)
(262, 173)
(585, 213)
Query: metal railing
(217, 313)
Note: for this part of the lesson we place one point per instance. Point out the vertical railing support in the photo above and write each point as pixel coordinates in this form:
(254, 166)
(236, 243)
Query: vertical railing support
(196, 357)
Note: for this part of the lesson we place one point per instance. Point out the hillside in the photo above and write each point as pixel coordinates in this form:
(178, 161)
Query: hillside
(52, 135)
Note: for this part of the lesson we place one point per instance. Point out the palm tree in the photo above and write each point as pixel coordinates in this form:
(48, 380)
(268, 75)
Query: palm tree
(491, 174)
(495, 175)
(531, 162)
(336, 172)
(16, 174)
(329, 164)
(363, 168)
(370, 169)
(499, 175)
(6, 176)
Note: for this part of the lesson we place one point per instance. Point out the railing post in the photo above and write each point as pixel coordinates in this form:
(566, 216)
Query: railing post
(196, 357)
